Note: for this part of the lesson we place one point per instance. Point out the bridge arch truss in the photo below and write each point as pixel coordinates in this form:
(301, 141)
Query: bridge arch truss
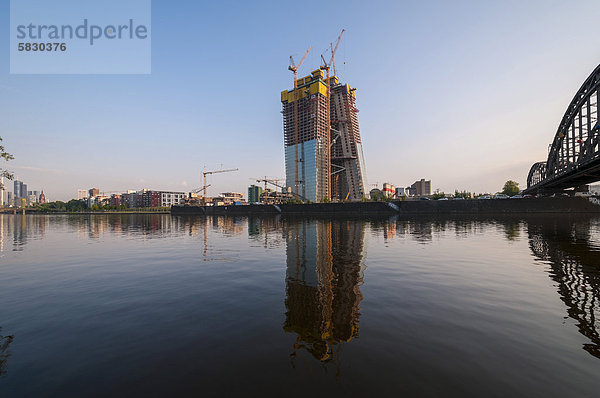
(574, 155)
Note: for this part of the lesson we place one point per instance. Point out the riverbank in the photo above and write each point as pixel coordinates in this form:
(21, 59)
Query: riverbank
(560, 205)
(33, 211)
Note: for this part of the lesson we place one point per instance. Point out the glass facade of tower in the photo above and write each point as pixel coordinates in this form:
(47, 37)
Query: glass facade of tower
(311, 169)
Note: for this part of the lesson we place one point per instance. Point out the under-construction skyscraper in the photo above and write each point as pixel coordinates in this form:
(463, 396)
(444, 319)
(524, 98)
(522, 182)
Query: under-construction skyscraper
(347, 179)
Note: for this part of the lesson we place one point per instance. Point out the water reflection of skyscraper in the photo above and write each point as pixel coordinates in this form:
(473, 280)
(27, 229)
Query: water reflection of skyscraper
(22, 228)
(324, 273)
(575, 267)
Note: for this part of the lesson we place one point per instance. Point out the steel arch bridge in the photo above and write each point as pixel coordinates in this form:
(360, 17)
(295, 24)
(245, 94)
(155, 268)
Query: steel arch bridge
(574, 155)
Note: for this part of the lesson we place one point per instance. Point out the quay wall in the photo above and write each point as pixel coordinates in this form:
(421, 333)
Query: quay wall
(560, 205)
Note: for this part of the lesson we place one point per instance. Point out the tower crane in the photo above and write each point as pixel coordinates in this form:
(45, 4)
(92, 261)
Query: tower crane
(205, 173)
(275, 182)
(294, 68)
(326, 67)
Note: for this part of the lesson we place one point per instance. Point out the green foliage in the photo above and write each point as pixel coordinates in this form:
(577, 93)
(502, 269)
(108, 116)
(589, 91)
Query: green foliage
(376, 196)
(72, 205)
(6, 156)
(463, 194)
(78, 206)
(510, 188)
(438, 195)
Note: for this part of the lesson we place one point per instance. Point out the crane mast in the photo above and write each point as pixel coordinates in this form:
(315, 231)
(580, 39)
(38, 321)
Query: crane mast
(205, 173)
(327, 66)
(294, 68)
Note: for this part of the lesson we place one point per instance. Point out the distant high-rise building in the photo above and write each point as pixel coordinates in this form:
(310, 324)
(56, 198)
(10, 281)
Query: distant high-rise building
(421, 188)
(82, 194)
(254, 193)
(18, 189)
(2, 192)
(42, 198)
(9, 198)
(307, 151)
(93, 192)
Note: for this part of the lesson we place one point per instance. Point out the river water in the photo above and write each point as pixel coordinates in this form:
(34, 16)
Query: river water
(160, 305)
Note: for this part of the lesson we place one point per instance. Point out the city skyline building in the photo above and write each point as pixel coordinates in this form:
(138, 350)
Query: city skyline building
(20, 189)
(254, 193)
(421, 188)
(348, 170)
(307, 151)
(3, 192)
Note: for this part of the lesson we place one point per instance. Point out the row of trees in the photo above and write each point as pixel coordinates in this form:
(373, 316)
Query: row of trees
(72, 205)
(75, 206)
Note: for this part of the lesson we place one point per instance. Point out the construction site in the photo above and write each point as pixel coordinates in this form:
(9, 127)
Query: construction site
(323, 152)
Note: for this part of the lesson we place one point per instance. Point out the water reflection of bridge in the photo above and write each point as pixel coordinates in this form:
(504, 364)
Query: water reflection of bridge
(574, 259)
(4, 351)
(324, 273)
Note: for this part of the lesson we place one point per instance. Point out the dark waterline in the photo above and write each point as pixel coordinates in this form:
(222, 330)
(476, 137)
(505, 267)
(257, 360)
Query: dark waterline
(160, 305)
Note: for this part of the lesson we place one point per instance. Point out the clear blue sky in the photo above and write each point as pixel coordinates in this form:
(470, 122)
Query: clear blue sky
(465, 93)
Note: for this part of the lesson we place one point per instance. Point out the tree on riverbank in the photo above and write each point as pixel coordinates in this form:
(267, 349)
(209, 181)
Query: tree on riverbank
(511, 188)
(6, 156)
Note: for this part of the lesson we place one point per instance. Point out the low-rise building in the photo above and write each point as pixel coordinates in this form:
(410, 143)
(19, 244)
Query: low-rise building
(115, 199)
(168, 199)
(376, 194)
(421, 188)
(271, 197)
(228, 198)
(389, 190)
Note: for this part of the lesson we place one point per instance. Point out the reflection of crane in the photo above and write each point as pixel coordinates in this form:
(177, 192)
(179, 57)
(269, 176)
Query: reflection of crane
(294, 68)
(205, 173)
(326, 66)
